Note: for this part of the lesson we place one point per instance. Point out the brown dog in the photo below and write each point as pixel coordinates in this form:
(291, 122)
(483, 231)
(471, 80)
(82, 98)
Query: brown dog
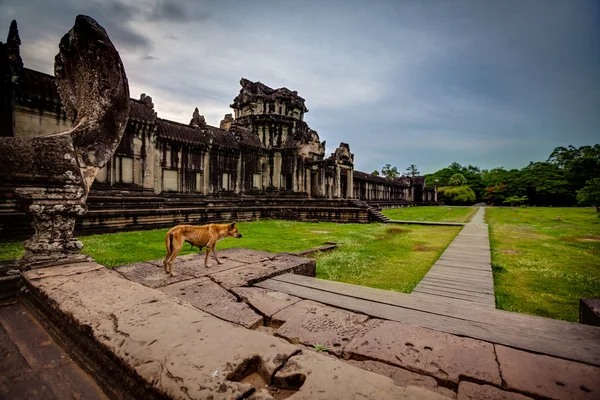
(199, 236)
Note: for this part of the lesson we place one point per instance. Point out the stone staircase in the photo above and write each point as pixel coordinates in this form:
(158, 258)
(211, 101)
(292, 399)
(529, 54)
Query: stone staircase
(374, 213)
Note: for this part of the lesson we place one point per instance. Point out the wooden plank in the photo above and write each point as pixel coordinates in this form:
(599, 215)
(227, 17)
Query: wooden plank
(459, 285)
(462, 292)
(458, 279)
(431, 297)
(464, 259)
(469, 255)
(470, 243)
(574, 343)
(454, 278)
(462, 271)
(455, 310)
(460, 264)
(445, 297)
(453, 289)
(447, 285)
(485, 299)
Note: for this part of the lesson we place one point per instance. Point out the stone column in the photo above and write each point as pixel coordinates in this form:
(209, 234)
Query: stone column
(239, 181)
(308, 183)
(206, 173)
(277, 170)
(350, 184)
(295, 183)
(338, 182)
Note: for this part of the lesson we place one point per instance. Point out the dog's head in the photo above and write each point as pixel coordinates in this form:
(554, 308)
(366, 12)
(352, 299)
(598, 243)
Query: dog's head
(233, 231)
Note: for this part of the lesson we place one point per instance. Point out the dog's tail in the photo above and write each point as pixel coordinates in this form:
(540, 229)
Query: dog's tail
(169, 243)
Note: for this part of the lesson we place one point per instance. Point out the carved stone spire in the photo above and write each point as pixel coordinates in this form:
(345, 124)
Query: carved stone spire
(197, 120)
(147, 100)
(13, 43)
(226, 122)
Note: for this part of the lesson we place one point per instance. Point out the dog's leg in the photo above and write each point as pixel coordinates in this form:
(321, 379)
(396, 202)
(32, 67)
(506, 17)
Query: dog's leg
(214, 250)
(206, 257)
(175, 249)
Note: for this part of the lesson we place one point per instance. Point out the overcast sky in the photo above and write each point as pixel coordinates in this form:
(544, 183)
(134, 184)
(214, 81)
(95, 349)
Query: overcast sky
(484, 82)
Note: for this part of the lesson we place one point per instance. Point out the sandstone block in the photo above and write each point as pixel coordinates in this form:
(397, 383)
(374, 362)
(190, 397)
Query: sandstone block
(548, 376)
(443, 356)
(210, 297)
(403, 377)
(321, 377)
(267, 302)
(252, 273)
(473, 391)
(312, 323)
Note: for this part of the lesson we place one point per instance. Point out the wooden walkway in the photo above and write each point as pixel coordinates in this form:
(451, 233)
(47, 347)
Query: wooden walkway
(567, 340)
(456, 296)
(464, 270)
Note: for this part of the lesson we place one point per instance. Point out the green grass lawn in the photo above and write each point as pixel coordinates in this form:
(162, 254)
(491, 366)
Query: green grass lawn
(375, 255)
(431, 213)
(545, 259)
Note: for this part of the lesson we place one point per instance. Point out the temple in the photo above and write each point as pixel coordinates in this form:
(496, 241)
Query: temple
(264, 151)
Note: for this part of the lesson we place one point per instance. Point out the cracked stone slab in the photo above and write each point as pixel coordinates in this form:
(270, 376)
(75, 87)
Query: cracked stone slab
(267, 302)
(328, 378)
(193, 264)
(259, 271)
(403, 377)
(210, 297)
(245, 255)
(312, 323)
(180, 350)
(72, 269)
(445, 357)
(547, 376)
(473, 391)
(150, 274)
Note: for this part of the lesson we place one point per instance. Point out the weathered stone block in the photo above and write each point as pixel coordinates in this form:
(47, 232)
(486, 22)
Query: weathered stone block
(210, 297)
(547, 376)
(312, 323)
(267, 302)
(150, 274)
(403, 377)
(473, 391)
(589, 311)
(443, 356)
(321, 377)
(252, 273)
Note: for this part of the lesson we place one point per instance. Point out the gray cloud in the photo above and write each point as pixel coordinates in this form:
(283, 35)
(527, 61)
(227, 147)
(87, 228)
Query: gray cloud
(426, 83)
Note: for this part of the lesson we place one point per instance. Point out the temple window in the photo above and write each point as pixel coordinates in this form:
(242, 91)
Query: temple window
(257, 181)
(170, 180)
(226, 181)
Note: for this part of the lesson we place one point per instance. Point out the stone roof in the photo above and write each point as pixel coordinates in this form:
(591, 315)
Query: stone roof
(254, 91)
(180, 133)
(140, 111)
(37, 89)
(371, 177)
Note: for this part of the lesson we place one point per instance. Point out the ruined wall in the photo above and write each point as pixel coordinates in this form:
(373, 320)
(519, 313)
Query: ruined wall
(31, 122)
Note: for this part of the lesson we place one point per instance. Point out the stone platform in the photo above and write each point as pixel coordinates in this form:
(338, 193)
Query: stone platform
(173, 349)
(249, 328)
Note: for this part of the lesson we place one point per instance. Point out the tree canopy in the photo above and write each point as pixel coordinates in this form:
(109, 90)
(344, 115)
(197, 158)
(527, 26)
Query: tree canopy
(557, 181)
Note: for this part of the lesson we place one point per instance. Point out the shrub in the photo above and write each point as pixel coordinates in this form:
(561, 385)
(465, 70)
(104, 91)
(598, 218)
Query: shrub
(456, 195)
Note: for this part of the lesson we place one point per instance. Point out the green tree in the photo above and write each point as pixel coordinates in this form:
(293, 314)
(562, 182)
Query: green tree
(518, 200)
(389, 172)
(457, 179)
(456, 195)
(590, 193)
(472, 174)
(412, 170)
(580, 164)
(495, 194)
(544, 183)
(376, 173)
